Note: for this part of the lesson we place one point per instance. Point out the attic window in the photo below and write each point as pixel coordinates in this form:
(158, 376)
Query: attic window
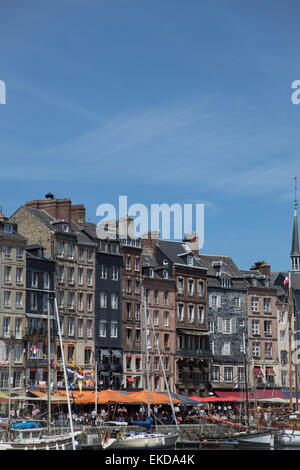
(151, 272)
(8, 228)
(65, 227)
(225, 282)
(165, 274)
(190, 260)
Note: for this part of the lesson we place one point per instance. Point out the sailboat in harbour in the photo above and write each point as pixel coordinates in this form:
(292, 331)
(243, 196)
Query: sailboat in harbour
(29, 435)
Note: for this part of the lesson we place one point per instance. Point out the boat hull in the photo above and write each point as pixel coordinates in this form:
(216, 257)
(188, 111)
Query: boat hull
(259, 439)
(289, 437)
(142, 442)
(62, 442)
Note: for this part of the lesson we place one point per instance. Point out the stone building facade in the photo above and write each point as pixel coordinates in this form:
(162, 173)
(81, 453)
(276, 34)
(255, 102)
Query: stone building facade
(12, 305)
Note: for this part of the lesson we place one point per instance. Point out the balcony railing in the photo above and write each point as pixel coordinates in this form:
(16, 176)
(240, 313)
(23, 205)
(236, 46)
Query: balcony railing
(206, 353)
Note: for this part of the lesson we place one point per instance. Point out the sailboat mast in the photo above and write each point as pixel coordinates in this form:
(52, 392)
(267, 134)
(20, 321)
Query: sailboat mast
(65, 374)
(147, 358)
(246, 381)
(49, 359)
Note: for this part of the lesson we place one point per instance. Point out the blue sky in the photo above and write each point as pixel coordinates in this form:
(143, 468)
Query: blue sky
(165, 101)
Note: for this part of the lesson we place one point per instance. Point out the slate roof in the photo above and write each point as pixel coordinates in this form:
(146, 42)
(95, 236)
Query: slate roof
(176, 252)
(222, 264)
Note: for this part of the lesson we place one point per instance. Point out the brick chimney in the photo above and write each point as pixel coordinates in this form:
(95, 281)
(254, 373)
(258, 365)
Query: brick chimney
(263, 267)
(78, 214)
(57, 208)
(149, 242)
(193, 241)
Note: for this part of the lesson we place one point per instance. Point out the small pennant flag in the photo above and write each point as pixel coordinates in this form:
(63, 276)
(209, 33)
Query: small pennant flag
(286, 281)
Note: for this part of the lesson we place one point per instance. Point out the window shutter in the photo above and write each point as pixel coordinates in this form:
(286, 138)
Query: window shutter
(210, 300)
(220, 325)
(233, 325)
(218, 301)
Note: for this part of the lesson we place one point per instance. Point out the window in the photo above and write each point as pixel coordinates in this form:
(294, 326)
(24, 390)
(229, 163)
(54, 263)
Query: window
(60, 274)
(155, 296)
(79, 276)
(71, 300)
(19, 299)
(128, 334)
(102, 328)
(165, 274)
(46, 280)
(191, 288)
(155, 317)
(255, 349)
(80, 301)
(267, 327)
(128, 263)
(225, 282)
(200, 314)
(255, 327)
(166, 363)
(89, 302)
(103, 271)
(70, 251)
(89, 255)
(211, 326)
(138, 335)
(70, 326)
(80, 327)
(228, 377)
(215, 301)
(103, 300)
(200, 289)
(166, 340)
(114, 329)
(136, 287)
(180, 312)
(89, 276)
(166, 295)
(19, 255)
(151, 272)
(45, 302)
(137, 311)
(236, 302)
(128, 286)
(215, 373)
(136, 264)
(156, 362)
(268, 350)
(34, 279)
(267, 305)
(180, 286)
(6, 323)
(80, 254)
(115, 273)
(7, 274)
(8, 228)
(190, 260)
(7, 252)
(70, 353)
(114, 301)
(33, 300)
(71, 275)
(89, 324)
(254, 304)
(128, 310)
(60, 249)
(191, 314)
(17, 353)
(60, 299)
(166, 318)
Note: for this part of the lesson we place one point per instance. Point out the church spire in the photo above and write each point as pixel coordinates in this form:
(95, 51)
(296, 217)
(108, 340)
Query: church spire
(295, 254)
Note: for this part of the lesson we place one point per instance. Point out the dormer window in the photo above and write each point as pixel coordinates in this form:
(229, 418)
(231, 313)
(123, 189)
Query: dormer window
(254, 282)
(165, 274)
(151, 272)
(65, 228)
(8, 228)
(225, 282)
(190, 260)
(165, 262)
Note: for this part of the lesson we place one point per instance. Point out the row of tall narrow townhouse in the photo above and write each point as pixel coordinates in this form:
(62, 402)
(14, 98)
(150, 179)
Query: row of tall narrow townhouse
(200, 310)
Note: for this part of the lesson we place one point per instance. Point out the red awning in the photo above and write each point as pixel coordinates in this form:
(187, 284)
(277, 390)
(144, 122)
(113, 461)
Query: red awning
(129, 379)
(270, 371)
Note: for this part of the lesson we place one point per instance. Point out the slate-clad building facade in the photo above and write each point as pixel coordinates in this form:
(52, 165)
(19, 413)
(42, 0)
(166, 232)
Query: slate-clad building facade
(108, 310)
(227, 314)
(40, 290)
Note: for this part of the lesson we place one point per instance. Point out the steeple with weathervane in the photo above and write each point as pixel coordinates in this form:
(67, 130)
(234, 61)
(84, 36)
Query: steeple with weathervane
(295, 254)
